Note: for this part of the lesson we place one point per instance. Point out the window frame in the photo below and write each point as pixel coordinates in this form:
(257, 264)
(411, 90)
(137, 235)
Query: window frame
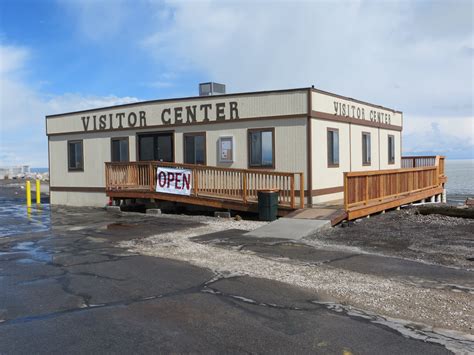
(249, 150)
(69, 169)
(389, 147)
(369, 161)
(331, 164)
(195, 134)
(155, 133)
(112, 149)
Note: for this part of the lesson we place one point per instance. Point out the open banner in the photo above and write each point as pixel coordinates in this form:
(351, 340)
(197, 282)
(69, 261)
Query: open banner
(174, 181)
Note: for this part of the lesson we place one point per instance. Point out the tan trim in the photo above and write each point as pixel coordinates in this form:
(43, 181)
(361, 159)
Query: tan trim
(76, 189)
(356, 121)
(353, 100)
(149, 102)
(143, 130)
(252, 130)
(327, 191)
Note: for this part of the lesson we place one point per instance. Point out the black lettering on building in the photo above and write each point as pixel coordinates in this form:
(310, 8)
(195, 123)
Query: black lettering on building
(220, 113)
(120, 116)
(85, 122)
(132, 119)
(163, 119)
(142, 119)
(206, 108)
(190, 114)
(178, 115)
(102, 122)
(234, 111)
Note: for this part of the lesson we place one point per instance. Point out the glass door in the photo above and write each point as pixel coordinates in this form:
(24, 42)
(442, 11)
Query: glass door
(158, 146)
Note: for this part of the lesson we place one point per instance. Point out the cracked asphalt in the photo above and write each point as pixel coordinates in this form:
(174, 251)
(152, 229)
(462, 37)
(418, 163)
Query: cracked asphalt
(72, 289)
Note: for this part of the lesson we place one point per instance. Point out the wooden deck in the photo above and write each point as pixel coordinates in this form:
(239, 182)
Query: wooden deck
(369, 192)
(365, 192)
(215, 187)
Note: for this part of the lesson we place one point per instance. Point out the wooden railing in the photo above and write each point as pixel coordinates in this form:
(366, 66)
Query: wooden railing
(368, 187)
(207, 181)
(424, 161)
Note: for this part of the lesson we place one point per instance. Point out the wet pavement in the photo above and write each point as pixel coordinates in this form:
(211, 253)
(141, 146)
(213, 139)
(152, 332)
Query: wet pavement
(70, 288)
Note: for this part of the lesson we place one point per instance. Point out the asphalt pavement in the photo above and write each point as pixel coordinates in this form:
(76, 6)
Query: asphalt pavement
(71, 289)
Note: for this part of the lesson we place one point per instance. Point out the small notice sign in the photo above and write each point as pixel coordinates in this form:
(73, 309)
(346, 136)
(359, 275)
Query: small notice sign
(174, 181)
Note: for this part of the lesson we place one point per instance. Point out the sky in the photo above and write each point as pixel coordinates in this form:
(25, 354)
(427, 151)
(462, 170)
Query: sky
(62, 56)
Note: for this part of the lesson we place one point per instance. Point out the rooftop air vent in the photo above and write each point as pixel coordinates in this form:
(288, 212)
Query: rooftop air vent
(208, 89)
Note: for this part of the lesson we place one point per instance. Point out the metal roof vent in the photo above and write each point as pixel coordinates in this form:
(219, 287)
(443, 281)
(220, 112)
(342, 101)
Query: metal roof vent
(209, 89)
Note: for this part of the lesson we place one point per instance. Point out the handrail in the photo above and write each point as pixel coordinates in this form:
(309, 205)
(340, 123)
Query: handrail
(210, 181)
(366, 187)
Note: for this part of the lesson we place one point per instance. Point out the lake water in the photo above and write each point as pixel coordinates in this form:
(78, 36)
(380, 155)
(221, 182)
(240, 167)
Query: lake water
(460, 183)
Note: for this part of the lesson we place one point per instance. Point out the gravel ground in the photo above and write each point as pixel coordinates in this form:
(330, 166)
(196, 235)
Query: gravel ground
(436, 239)
(441, 309)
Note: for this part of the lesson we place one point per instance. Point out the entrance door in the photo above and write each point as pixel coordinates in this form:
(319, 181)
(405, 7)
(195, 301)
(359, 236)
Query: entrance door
(157, 146)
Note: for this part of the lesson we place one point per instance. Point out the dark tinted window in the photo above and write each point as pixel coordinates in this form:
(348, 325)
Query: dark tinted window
(194, 149)
(366, 158)
(333, 147)
(120, 149)
(75, 156)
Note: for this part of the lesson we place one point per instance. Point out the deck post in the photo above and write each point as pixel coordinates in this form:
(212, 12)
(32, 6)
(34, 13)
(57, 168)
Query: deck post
(195, 182)
(150, 175)
(292, 190)
(302, 190)
(346, 192)
(244, 187)
(366, 189)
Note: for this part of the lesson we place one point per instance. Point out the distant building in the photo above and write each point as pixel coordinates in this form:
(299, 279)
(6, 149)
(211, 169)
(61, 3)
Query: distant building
(10, 171)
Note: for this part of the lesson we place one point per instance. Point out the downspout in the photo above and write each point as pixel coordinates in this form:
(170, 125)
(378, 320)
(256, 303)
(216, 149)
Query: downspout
(309, 150)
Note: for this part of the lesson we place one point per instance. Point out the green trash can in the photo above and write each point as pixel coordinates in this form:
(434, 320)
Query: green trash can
(267, 205)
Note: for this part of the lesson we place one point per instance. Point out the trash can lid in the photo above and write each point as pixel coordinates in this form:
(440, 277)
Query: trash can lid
(269, 190)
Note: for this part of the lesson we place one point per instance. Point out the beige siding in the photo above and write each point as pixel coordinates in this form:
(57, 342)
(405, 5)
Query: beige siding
(290, 149)
(93, 199)
(350, 154)
(249, 106)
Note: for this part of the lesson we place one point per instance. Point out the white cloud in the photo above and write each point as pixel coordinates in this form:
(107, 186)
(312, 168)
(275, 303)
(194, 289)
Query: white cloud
(23, 110)
(413, 56)
(451, 136)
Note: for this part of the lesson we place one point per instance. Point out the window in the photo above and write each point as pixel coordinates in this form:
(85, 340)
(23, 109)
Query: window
(391, 149)
(366, 148)
(261, 148)
(119, 149)
(333, 148)
(195, 148)
(75, 156)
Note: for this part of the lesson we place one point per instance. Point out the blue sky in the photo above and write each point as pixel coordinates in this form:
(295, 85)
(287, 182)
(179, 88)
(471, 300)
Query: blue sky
(58, 56)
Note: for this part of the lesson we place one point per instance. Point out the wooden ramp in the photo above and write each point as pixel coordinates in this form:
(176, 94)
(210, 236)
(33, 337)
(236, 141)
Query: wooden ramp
(332, 211)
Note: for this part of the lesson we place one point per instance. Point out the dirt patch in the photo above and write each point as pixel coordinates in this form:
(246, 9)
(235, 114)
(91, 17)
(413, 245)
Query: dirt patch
(431, 238)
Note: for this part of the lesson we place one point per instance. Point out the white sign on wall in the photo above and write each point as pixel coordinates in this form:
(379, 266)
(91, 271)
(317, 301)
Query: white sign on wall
(226, 149)
(174, 181)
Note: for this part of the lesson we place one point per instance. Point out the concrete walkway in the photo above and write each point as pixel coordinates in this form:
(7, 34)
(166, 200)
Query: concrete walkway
(289, 228)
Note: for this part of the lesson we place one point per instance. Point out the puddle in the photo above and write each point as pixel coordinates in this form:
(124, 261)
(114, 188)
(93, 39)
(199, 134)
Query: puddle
(37, 254)
(18, 219)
